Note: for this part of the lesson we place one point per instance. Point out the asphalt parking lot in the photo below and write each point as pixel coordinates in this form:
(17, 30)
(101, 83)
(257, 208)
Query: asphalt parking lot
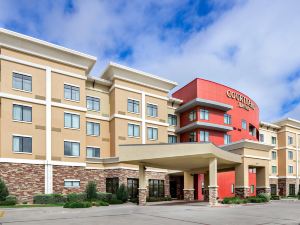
(278, 212)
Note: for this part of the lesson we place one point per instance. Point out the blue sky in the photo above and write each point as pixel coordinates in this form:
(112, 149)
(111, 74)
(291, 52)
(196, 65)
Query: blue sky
(251, 45)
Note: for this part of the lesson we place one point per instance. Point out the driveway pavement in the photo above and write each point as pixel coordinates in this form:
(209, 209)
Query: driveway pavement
(277, 212)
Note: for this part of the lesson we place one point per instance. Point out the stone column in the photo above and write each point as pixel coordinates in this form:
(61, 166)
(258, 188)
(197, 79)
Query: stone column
(213, 181)
(142, 185)
(242, 180)
(262, 180)
(188, 188)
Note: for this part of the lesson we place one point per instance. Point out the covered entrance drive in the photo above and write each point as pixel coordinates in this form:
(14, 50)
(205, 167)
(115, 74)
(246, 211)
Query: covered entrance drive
(192, 158)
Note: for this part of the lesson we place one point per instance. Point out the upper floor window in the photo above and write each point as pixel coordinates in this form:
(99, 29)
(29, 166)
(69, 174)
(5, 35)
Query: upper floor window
(227, 139)
(152, 110)
(72, 121)
(22, 113)
(193, 136)
(204, 136)
(172, 120)
(92, 129)
(71, 92)
(22, 82)
(244, 124)
(274, 169)
(93, 103)
(273, 139)
(227, 119)
(274, 155)
(204, 114)
(71, 148)
(133, 130)
(22, 144)
(172, 139)
(92, 152)
(152, 133)
(133, 106)
(290, 155)
(193, 115)
(261, 137)
(290, 140)
(290, 169)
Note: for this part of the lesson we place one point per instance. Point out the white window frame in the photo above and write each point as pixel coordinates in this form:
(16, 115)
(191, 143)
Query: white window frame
(93, 135)
(290, 166)
(72, 114)
(273, 138)
(134, 124)
(23, 74)
(274, 166)
(132, 99)
(94, 97)
(262, 140)
(21, 121)
(227, 139)
(22, 136)
(149, 138)
(194, 114)
(171, 117)
(72, 85)
(273, 155)
(204, 114)
(227, 119)
(71, 180)
(149, 104)
(290, 140)
(292, 154)
(94, 147)
(172, 136)
(72, 156)
(244, 122)
(206, 136)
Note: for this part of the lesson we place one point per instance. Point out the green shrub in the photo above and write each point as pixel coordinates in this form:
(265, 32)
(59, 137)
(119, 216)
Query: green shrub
(91, 191)
(255, 200)
(49, 199)
(9, 200)
(101, 203)
(3, 190)
(76, 197)
(234, 200)
(264, 196)
(159, 199)
(77, 205)
(102, 196)
(275, 197)
(122, 193)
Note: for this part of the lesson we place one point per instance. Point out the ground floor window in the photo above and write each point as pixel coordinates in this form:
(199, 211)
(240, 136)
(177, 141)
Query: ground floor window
(273, 189)
(112, 185)
(292, 190)
(132, 187)
(156, 188)
(71, 183)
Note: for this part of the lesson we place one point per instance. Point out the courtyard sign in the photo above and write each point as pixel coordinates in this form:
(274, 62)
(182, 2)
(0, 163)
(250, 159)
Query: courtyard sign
(243, 102)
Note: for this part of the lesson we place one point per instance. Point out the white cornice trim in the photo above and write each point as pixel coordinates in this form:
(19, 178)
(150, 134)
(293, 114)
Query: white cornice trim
(157, 123)
(91, 116)
(24, 161)
(97, 90)
(69, 74)
(21, 98)
(61, 105)
(125, 117)
(273, 177)
(62, 163)
(288, 177)
(256, 157)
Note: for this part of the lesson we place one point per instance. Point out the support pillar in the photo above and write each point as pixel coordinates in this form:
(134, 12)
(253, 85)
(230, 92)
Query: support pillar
(213, 181)
(142, 185)
(188, 188)
(242, 180)
(262, 181)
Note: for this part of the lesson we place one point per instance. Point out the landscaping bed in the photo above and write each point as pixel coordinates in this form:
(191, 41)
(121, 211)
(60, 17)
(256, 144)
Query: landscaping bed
(261, 198)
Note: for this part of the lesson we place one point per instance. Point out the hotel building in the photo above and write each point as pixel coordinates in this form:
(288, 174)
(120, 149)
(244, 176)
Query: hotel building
(61, 127)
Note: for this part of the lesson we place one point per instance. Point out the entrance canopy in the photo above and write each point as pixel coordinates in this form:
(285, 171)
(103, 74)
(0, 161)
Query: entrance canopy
(181, 156)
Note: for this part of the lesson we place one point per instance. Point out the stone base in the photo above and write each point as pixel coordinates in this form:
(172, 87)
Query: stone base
(260, 190)
(242, 192)
(213, 196)
(188, 194)
(142, 196)
(206, 195)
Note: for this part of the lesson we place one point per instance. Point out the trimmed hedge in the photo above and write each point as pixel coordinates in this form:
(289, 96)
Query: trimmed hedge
(49, 199)
(275, 197)
(76, 197)
(101, 203)
(263, 197)
(159, 199)
(234, 200)
(103, 196)
(77, 205)
(9, 200)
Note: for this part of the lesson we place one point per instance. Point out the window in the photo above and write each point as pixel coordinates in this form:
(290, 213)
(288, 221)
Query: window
(204, 136)
(227, 139)
(156, 188)
(22, 113)
(273, 189)
(72, 121)
(152, 133)
(92, 129)
(290, 155)
(152, 110)
(93, 103)
(72, 183)
(274, 169)
(232, 189)
(252, 189)
(290, 140)
(132, 188)
(133, 130)
(22, 144)
(203, 114)
(92, 152)
(227, 119)
(274, 140)
(71, 92)
(193, 137)
(22, 82)
(71, 148)
(261, 137)
(193, 115)
(290, 169)
(112, 185)
(133, 106)
(274, 155)
(172, 120)
(252, 130)
(172, 139)
(292, 189)
(244, 124)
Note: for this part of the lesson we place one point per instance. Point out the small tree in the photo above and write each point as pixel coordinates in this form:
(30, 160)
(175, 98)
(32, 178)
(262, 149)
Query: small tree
(91, 191)
(3, 191)
(122, 193)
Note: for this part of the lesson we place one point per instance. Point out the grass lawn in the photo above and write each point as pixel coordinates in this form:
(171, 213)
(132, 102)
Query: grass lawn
(32, 206)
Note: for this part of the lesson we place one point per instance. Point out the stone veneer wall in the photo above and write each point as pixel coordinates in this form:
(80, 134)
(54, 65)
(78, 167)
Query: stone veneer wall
(283, 185)
(23, 180)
